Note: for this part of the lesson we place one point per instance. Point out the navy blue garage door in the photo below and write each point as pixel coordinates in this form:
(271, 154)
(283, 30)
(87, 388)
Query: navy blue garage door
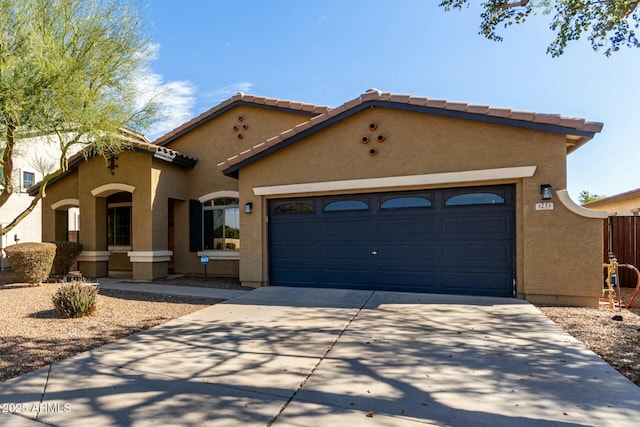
(457, 241)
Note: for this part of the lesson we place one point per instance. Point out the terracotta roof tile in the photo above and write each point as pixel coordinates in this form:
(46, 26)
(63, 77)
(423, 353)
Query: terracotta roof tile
(592, 127)
(370, 95)
(375, 95)
(303, 126)
(349, 104)
(341, 109)
(274, 140)
(416, 100)
(478, 109)
(288, 133)
(319, 118)
(436, 103)
(260, 147)
(246, 154)
(499, 112)
(456, 106)
(399, 98)
(523, 115)
(552, 119)
(577, 123)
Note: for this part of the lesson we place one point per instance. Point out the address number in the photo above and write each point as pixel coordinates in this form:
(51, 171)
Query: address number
(544, 206)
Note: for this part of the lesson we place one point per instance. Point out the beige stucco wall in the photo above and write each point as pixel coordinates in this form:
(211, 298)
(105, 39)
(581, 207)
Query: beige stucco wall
(156, 182)
(558, 253)
(153, 182)
(211, 143)
(55, 193)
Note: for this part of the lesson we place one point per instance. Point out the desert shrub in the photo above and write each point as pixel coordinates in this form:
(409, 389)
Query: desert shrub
(76, 299)
(66, 255)
(31, 261)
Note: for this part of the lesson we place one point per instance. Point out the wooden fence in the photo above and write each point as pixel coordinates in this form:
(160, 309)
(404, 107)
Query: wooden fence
(622, 236)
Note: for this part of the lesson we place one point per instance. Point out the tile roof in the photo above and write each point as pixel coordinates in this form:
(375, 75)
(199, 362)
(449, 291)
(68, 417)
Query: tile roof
(159, 152)
(135, 142)
(581, 129)
(241, 98)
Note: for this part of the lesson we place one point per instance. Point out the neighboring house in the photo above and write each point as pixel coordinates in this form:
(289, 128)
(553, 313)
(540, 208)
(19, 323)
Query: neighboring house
(387, 192)
(33, 158)
(624, 204)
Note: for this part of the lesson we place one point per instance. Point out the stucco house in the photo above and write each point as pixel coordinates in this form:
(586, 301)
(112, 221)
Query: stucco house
(33, 157)
(623, 204)
(387, 191)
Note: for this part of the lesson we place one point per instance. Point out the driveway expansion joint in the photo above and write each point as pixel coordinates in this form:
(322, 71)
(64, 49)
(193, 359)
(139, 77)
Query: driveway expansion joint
(324, 355)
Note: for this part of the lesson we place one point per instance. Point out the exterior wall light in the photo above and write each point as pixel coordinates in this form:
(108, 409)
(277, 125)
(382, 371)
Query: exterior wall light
(248, 207)
(545, 191)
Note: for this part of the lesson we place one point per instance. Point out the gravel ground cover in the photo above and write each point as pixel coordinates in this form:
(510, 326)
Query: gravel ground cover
(615, 341)
(33, 335)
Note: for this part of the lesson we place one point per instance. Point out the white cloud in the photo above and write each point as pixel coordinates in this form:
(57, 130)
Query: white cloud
(176, 99)
(225, 92)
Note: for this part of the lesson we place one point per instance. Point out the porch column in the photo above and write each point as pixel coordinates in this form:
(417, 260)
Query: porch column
(150, 256)
(94, 259)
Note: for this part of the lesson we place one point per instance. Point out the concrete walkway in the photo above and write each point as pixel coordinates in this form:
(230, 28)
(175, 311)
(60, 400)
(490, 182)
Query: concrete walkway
(120, 285)
(319, 357)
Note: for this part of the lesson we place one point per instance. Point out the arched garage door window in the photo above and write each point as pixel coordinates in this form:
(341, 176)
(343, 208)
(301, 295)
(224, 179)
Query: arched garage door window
(221, 224)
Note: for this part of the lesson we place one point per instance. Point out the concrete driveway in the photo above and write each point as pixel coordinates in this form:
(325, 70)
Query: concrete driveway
(304, 357)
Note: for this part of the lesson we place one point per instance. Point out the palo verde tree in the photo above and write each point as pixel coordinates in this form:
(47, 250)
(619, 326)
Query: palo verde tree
(68, 70)
(608, 24)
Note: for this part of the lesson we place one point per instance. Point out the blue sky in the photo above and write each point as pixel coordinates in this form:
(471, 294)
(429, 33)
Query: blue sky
(328, 52)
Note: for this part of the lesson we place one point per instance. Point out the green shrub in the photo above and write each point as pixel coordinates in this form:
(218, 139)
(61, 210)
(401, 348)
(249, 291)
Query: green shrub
(77, 299)
(31, 261)
(66, 255)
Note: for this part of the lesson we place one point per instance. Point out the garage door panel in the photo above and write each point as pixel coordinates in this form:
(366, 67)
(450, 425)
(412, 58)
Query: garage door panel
(411, 276)
(286, 253)
(348, 278)
(478, 283)
(473, 227)
(351, 228)
(419, 228)
(299, 230)
(398, 241)
(292, 276)
(473, 252)
(408, 281)
(347, 253)
(407, 253)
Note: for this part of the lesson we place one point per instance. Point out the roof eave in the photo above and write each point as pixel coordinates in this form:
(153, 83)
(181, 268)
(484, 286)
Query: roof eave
(584, 135)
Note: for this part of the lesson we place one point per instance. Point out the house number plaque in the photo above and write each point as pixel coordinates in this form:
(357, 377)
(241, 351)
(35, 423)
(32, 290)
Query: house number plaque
(544, 206)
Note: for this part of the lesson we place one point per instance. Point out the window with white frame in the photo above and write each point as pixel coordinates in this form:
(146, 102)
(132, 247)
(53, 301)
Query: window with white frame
(221, 224)
(28, 179)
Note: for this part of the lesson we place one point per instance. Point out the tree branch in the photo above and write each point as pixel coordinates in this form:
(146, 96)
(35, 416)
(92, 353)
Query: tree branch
(507, 5)
(7, 164)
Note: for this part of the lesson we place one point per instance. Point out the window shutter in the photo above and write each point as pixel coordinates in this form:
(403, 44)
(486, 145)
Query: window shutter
(195, 225)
